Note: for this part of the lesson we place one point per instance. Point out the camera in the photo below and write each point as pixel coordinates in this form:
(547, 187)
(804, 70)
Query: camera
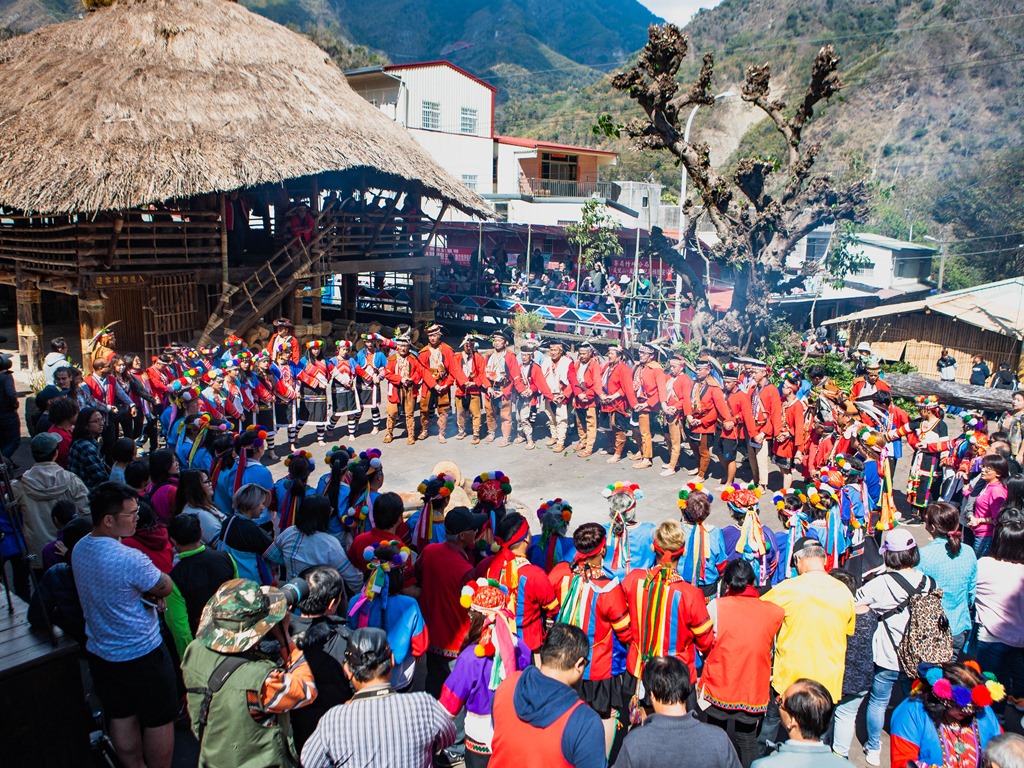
(295, 590)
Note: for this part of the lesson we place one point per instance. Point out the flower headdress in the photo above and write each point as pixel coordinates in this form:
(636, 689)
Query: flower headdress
(927, 401)
(845, 467)
(621, 555)
(981, 695)
(233, 341)
(341, 453)
(751, 543)
(300, 454)
(686, 490)
(792, 375)
(432, 488)
(490, 598)
(292, 500)
(208, 351)
(315, 344)
(741, 497)
(492, 490)
(359, 517)
(372, 456)
(973, 422)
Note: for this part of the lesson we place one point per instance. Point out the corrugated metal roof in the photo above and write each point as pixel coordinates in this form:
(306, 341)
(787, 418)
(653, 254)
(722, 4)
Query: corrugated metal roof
(995, 307)
(891, 243)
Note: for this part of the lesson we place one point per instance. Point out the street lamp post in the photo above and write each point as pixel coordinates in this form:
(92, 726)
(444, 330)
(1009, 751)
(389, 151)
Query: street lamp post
(682, 212)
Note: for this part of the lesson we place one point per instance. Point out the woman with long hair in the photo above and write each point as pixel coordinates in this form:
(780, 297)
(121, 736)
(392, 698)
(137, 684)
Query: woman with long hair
(999, 603)
(490, 653)
(366, 480)
(249, 447)
(85, 458)
(948, 719)
(145, 402)
(307, 543)
(630, 542)
(953, 566)
(293, 488)
(163, 473)
(994, 471)
(335, 485)
(126, 417)
(195, 497)
(382, 604)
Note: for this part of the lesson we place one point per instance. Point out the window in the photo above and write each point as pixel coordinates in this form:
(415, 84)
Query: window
(469, 179)
(469, 121)
(431, 116)
(868, 271)
(559, 166)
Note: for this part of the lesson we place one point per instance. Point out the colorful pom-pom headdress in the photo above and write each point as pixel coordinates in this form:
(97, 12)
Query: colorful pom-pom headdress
(490, 598)
(686, 490)
(492, 488)
(432, 488)
(554, 516)
(980, 696)
(340, 453)
(926, 401)
(622, 498)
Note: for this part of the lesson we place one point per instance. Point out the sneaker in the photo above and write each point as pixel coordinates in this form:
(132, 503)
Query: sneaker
(667, 472)
(873, 756)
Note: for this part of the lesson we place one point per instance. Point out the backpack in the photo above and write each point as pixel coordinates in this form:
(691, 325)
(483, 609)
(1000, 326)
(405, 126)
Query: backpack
(927, 639)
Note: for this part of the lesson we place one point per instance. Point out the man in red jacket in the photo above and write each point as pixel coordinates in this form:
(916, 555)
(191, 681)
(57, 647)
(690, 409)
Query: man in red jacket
(405, 374)
(617, 397)
(501, 370)
(470, 382)
(678, 385)
(649, 383)
(704, 409)
(530, 386)
(734, 430)
(439, 359)
(586, 381)
(766, 407)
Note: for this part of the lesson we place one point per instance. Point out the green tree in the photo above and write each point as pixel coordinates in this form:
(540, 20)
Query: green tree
(762, 210)
(595, 235)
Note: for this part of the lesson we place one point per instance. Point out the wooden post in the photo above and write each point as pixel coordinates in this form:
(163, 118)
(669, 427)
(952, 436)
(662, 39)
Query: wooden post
(92, 316)
(422, 308)
(349, 294)
(224, 281)
(30, 324)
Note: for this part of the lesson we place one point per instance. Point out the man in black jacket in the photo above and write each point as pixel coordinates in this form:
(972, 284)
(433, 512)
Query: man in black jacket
(323, 637)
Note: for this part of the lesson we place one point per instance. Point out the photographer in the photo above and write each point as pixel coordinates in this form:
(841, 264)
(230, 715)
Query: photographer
(322, 634)
(239, 697)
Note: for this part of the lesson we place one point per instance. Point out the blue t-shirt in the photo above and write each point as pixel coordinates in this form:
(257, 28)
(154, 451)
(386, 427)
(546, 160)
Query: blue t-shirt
(111, 579)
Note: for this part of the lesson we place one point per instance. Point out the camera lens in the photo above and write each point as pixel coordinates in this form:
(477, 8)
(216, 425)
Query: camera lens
(295, 590)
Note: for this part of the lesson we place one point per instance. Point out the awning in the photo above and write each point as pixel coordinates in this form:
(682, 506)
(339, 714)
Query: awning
(720, 300)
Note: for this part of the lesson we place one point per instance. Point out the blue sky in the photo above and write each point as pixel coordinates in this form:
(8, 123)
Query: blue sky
(678, 11)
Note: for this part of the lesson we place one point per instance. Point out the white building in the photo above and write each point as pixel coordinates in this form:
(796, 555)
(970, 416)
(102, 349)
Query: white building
(528, 181)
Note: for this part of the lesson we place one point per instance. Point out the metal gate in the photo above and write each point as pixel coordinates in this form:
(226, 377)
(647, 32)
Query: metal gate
(170, 314)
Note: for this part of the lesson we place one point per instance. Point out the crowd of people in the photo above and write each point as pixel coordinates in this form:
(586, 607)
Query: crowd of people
(313, 620)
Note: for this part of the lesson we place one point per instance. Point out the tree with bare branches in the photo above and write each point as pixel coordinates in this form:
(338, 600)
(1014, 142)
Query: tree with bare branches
(767, 205)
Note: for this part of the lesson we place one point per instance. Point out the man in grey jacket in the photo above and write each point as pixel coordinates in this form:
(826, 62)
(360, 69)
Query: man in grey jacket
(43, 485)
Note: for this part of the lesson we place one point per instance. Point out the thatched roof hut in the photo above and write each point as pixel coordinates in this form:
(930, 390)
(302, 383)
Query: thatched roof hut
(151, 100)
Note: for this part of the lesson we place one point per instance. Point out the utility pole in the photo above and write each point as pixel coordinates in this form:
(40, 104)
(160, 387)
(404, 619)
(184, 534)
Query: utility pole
(943, 251)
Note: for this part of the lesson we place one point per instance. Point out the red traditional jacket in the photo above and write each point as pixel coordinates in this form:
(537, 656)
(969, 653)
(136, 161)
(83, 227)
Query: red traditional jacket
(860, 382)
(406, 371)
(766, 405)
(315, 374)
(792, 430)
(676, 393)
(707, 404)
(618, 380)
(285, 388)
(530, 383)
(103, 394)
(263, 390)
(586, 382)
(233, 402)
(742, 416)
(475, 381)
(501, 372)
(649, 384)
(344, 372)
(158, 382)
(293, 345)
(442, 373)
(212, 403)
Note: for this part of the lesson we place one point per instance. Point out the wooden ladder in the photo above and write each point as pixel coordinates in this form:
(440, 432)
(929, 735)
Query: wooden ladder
(241, 306)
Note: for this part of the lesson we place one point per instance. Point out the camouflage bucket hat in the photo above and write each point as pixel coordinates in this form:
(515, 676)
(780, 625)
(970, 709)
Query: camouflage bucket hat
(239, 614)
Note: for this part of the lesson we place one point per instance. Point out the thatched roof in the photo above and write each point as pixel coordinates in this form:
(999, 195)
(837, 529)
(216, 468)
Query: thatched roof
(150, 100)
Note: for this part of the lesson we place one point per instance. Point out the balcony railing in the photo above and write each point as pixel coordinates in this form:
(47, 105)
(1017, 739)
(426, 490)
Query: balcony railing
(559, 188)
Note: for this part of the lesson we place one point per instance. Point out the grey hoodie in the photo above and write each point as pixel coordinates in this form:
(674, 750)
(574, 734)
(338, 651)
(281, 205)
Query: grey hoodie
(42, 486)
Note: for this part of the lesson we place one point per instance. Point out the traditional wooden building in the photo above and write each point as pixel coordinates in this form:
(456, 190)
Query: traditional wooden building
(154, 156)
(986, 320)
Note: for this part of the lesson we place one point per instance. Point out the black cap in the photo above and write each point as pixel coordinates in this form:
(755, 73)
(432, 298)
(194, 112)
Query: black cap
(801, 544)
(461, 519)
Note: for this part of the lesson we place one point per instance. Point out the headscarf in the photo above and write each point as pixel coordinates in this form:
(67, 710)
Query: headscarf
(751, 543)
(488, 597)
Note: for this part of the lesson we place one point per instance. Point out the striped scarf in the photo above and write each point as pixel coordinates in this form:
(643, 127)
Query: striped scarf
(549, 539)
(751, 543)
(196, 445)
(700, 545)
(657, 602)
(290, 505)
(579, 593)
(797, 528)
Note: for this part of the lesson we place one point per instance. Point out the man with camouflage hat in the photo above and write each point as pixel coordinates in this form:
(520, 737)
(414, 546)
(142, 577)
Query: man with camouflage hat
(239, 696)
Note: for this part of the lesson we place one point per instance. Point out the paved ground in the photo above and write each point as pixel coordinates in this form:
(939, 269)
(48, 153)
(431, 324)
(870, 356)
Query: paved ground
(536, 476)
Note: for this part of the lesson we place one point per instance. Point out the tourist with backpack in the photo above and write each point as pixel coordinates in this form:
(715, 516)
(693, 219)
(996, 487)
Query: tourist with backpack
(895, 596)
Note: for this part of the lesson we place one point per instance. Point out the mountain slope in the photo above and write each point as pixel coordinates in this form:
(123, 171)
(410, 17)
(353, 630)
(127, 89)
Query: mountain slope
(930, 86)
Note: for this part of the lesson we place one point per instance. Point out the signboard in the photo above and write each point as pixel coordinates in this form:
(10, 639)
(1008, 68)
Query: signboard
(117, 281)
(624, 266)
(458, 256)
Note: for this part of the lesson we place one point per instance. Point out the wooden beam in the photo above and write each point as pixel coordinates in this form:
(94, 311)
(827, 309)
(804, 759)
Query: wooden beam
(949, 392)
(30, 323)
(402, 264)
